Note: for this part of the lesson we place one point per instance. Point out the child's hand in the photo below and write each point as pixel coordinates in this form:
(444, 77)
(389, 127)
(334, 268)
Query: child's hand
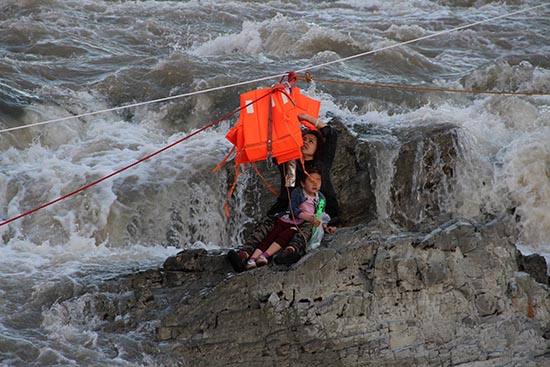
(316, 222)
(329, 230)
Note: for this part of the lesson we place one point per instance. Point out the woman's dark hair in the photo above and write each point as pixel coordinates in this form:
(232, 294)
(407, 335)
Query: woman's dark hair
(320, 140)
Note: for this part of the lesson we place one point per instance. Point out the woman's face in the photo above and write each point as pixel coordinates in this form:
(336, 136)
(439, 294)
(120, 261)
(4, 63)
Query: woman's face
(309, 147)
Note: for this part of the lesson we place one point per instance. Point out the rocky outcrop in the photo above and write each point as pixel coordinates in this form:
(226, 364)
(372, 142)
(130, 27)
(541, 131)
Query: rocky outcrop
(424, 174)
(421, 175)
(450, 297)
(423, 290)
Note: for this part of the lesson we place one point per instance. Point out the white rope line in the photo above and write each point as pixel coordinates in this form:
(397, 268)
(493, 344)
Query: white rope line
(272, 76)
(141, 103)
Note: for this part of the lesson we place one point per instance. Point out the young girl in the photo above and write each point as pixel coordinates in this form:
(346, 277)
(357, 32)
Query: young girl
(302, 208)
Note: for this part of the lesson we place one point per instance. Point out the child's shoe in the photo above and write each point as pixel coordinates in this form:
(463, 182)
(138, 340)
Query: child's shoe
(250, 264)
(261, 260)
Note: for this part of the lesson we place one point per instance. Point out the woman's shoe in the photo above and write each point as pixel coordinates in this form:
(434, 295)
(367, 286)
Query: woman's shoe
(237, 259)
(288, 256)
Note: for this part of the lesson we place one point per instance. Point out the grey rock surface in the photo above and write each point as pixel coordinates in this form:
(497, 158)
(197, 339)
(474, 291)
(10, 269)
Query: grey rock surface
(450, 297)
(419, 288)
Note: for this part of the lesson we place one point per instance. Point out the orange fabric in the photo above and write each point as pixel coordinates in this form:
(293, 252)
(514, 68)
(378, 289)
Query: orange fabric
(306, 104)
(250, 135)
(267, 184)
(233, 186)
(224, 160)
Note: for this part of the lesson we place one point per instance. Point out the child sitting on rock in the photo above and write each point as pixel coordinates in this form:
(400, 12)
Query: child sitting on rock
(303, 207)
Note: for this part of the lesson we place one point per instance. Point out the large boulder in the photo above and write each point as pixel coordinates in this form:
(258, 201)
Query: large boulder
(449, 297)
(420, 177)
(399, 285)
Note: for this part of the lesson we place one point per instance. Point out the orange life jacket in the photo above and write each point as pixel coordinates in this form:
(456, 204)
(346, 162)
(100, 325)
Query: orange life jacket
(305, 104)
(268, 127)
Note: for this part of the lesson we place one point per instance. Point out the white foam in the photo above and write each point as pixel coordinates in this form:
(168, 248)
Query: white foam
(248, 42)
(504, 159)
(524, 174)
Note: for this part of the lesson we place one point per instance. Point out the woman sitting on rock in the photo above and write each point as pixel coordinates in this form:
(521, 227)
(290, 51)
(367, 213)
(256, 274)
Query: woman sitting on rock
(319, 149)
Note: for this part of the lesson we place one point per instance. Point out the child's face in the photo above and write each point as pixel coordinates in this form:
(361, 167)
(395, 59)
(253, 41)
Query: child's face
(312, 183)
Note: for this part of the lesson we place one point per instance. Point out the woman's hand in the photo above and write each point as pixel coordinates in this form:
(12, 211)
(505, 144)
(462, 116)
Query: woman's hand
(312, 120)
(329, 229)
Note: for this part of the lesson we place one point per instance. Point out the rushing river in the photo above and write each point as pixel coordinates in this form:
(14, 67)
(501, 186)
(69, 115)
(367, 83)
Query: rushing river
(60, 58)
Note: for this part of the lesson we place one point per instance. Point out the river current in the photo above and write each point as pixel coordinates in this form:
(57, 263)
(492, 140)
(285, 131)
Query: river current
(62, 58)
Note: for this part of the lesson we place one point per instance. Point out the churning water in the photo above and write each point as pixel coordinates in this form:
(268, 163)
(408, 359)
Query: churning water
(65, 57)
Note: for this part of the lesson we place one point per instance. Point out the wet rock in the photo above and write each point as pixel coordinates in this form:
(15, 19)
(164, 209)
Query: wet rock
(448, 291)
(364, 298)
(423, 176)
(424, 173)
(196, 260)
(535, 265)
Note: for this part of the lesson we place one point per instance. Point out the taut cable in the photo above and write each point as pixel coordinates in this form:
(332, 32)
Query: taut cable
(273, 76)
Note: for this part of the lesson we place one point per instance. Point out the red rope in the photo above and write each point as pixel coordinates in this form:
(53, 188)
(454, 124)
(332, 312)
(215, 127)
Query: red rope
(135, 163)
(127, 167)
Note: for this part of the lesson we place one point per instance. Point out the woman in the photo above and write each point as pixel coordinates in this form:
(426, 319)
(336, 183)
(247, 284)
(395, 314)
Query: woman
(319, 149)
